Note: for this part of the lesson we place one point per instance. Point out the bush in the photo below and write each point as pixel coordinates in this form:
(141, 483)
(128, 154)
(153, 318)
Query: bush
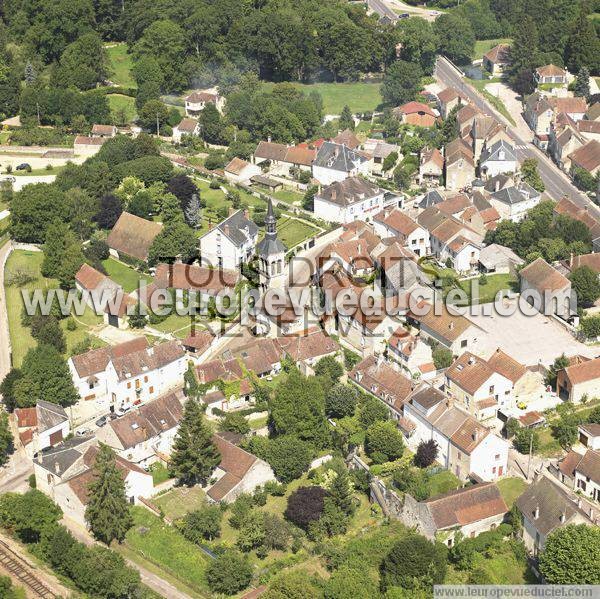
(426, 454)
(230, 573)
(524, 438)
(202, 524)
(383, 442)
(305, 506)
(215, 160)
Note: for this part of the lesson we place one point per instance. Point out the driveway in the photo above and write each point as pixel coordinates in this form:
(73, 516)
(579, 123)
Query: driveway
(510, 99)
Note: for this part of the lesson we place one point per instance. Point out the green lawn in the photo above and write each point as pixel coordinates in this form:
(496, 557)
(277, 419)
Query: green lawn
(359, 96)
(179, 501)
(442, 482)
(38, 171)
(479, 84)
(511, 488)
(289, 196)
(292, 231)
(122, 108)
(120, 64)
(174, 323)
(484, 46)
(487, 292)
(124, 275)
(549, 446)
(162, 545)
(160, 473)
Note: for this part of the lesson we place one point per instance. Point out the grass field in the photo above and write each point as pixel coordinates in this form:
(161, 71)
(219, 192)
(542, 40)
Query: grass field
(160, 473)
(180, 500)
(549, 446)
(165, 547)
(510, 489)
(359, 96)
(442, 482)
(483, 46)
(289, 196)
(38, 171)
(120, 64)
(124, 275)
(488, 292)
(122, 108)
(292, 231)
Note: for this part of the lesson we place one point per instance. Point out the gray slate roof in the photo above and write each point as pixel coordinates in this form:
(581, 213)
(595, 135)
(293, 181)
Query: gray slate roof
(349, 191)
(431, 198)
(240, 229)
(337, 157)
(59, 459)
(514, 195)
(493, 153)
(49, 415)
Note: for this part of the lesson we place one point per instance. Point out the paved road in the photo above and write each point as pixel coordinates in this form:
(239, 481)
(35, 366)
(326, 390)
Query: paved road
(557, 183)
(382, 9)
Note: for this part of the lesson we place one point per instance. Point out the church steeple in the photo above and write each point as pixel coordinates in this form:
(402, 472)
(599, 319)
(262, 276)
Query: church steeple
(271, 253)
(270, 221)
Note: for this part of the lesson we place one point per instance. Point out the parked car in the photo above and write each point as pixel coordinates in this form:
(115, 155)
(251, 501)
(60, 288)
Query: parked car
(101, 421)
(82, 432)
(122, 410)
(24, 166)
(404, 15)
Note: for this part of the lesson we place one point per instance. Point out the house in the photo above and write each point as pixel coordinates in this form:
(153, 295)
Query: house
(306, 350)
(72, 493)
(574, 107)
(587, 215)
(546, 289)
(486, 131)
(516, 201)
(431, 167)
(42, 426)
(593, 113)
(587, 157)
(197, 101)
(415, 113)
(497, 59)
(410, 352)
(128, 375)
(448, 99)
(199, 342)
(579, 382)
(238, 472)
(499, 259)
(267, 151)
(335, 162)
(98, 287)
(187, 126)
(347, 138)
(231, 243)
(119, 309)
(300, 157)
(132, 237)
(351, 256)
(447, 326)
(145, 434)
(460, 164)
(581, 472)
(204, 281)
(538, 115)
(564, 139)
(589, 130)
(431, 198)
(395, 223)
(465, 117)
(105, 131)
(380, 152)
(241, 171)
(478, 386)
(550, 73)
(499, 158)
(465, 446)
(466, 512)
(589, 435)
(379, 378)
(454, 242)
(348, 200)
(545, 507)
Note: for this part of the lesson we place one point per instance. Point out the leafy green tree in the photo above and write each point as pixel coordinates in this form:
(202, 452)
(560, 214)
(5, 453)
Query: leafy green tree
(346, 120)
(340, 490)
(583, 47)
(572, 555)
(46, 330)
(289, 457)
(524, 55)
(412, 481)
(341, 401)
(81, 208)
(583, 179)
(63, 254)
(6, 439)
(526, 438)
(559, 363)
(109, 211)
(175, 240)
(401, 82)
(211, 125)
(234, 422)
(45, 376)
(83, 64)
(292, 584)
(586, 285)
(194, 454)
(389, 162)
(28, 515)
(383, 442)
(512, 426)
(107, 511)
(530, 174)
(7, 389)
(137, 319)
(442, 357)
(413, 563)
(229, 573)
(371, 411)
(594, 416)
(582, 83)
(350, 583)
(419, 42)
(153, 115)
(203, 524)
(329, 368)
(455, 36)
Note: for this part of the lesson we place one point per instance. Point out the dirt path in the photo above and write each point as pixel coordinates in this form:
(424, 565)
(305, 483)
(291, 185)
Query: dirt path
(4, 332)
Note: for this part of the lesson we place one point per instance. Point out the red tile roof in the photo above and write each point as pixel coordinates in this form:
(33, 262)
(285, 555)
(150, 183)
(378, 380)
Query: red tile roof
(133, 236)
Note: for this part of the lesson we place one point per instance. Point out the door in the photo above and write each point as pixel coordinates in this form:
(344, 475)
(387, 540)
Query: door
(113, 321)
(500, 470)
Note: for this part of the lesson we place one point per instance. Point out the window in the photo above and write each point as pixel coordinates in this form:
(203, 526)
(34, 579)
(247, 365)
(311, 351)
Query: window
(459, 455)
(497, 457)
(151, 390)
(463, 343)
(145, 379)
(491, 389)
(129, 384)
(494, 470)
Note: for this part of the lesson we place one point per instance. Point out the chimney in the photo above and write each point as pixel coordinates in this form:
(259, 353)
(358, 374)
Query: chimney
(269, 139)
(471, 360)
(536, 512)
(451, 326)
(39, 456)
(497, 186)
(562, 517)
(56, 468)
(226, 230)
(246, 214)
(579, 502)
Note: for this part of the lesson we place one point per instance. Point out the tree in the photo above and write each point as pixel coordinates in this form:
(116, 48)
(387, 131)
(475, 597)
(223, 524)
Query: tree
(137, 319)
(401, 82)
(419, 42)
(305, 505)
(63, 254)
(512, 426)
(572, 555)
(383, 442)
(412, 481)
(194, 454)
(455, 36)
(6, 439)
(107, 511)
(530, 174)
(229, 573)
(582, 83)
(414, 562)
(289, 457)
(111, 208)
(153, 115)
(565, 430)
(389, 162)
(442, 357)
(292, 584)
(46, 330)
(176, 240)
(329, 368)
(203, 524)
(583, 47)
(341, 401)
(524, 56)
(192, 212)
(234, 422)
(526, 438)
(83, 64)
(427, 452)
(371, 411)
(28, 515)
(45, 376)
(346, 120)
(350, 583)
(559, 363)
(340, 489)
(211, 124)
(586, 285)
(7, 389)
(183, 188)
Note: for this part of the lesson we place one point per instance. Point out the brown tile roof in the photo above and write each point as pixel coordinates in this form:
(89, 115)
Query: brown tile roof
(226, 370)
(187, 125)
(236, 166)
(593, 112)
(200, 340)
(466, 506)
(84, 140)
(508, 367)
(270, 151)
(103, 129)
(416, 108)
(449, 94)
(120, 304)
(96, 360)
(149, 420)
(260, 356)
(589, 465)
(469, 372)
(588, 156)
(153, 358)
(569, 105)
(446, 325)
(532, 418)
(455, 204)
(469, 434)
(192, 277)
(543, 277)
(347, 138)
(300, 155)
(432, 155)
(591, 428)
(585, 126)
(397, 220)
(583, 372)
(446, 230)
(200, 96)
(89, 278)
(467, 113)
(133, 236)
(305, 347)
(568, 464)
(499, 54)
(550, 70)
(26, 417)
(457, 244)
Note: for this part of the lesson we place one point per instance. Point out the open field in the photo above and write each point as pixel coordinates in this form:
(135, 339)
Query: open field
(122, 108)
(120, 64)
(359, 96)
(289, 196)
(487, 292)
(124, 275)
(510, 489)
(483, 46)
(292, 231)
(179, 501)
